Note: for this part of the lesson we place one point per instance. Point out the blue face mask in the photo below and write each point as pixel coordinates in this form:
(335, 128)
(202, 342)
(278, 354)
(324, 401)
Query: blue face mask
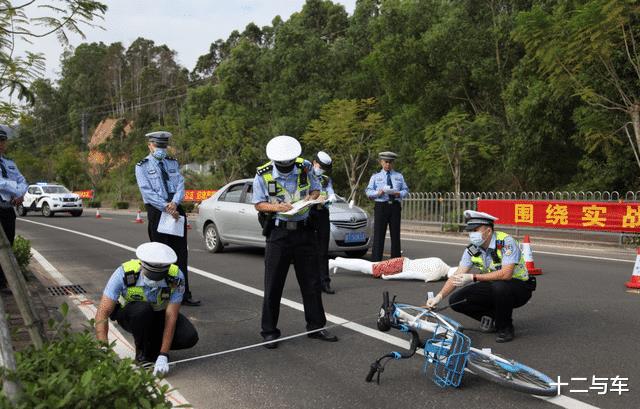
(475, 238)
(318, 171)
(160, 153)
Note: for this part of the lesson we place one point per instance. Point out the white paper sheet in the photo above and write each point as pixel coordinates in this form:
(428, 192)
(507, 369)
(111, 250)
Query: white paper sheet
(301, 204)
(169, 225)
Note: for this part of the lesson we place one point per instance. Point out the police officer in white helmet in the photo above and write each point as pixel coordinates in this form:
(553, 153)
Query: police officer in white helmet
(322, 165)
(284, 180)
(144, 295)
(501, 285)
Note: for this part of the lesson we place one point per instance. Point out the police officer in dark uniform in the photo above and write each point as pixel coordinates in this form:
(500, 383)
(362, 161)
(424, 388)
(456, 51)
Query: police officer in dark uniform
(320, 215)
(144, 296)
(162, 189)
(502, 284)
(13, 186)
(278, 184)
(387, 188)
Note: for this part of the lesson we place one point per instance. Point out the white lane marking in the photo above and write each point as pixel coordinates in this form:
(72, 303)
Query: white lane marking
(122, 347)
(536, 252)
(563, 401)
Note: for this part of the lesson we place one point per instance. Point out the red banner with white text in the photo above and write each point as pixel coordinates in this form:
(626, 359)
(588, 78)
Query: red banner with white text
(84, 194)
(601, 216)
(197, 195)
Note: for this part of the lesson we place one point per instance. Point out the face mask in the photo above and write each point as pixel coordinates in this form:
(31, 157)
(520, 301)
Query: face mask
(160, 153)
(285, 169)
(151, 283)
(475, 238)
(318, 171)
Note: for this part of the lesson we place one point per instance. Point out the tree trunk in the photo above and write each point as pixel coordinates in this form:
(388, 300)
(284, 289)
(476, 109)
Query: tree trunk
(635, 120)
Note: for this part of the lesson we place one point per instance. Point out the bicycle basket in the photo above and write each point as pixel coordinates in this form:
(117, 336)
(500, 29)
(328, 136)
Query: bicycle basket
(447, 353)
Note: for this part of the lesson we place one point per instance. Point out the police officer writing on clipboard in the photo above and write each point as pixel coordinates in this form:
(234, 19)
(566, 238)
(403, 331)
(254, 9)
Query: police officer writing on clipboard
(144, 296)
(13, 186)
(502, 285)
(322, 165)
(162, 189)
(287, 179)
(387, 188)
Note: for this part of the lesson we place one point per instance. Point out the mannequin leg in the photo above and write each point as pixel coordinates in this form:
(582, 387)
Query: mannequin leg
(352, 264)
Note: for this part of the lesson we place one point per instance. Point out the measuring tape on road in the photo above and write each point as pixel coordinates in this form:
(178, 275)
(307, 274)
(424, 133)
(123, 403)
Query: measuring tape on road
(301, 334)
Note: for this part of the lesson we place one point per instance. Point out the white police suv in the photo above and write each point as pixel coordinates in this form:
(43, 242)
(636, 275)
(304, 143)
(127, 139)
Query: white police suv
(50, 199)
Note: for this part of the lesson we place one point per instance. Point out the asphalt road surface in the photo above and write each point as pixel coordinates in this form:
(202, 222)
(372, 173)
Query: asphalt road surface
(580, 323)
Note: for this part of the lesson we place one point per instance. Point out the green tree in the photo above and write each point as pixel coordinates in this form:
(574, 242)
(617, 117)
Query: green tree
(590, 47)
(16, 25)
(457, 141)
(349, 130)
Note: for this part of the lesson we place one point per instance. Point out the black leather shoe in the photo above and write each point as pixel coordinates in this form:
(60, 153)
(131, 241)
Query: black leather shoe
(505, 335)
(323, 335)
(326, 288)
(190, 302)
(271, 345)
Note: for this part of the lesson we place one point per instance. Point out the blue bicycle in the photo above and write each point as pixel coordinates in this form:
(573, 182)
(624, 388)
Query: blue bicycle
(448, 353)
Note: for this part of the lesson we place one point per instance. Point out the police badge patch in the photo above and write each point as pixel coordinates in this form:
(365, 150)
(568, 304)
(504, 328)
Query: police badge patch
(507, 250)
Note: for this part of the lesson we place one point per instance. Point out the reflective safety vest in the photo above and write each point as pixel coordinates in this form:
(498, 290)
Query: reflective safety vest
(276, 190)
(519, 272)
(136, 293)
(324, 183)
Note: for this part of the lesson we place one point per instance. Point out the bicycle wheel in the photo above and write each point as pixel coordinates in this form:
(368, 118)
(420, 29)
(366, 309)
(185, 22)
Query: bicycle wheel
(511, 374)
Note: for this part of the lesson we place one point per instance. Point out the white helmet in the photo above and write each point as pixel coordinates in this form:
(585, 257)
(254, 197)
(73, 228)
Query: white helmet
(283, 148)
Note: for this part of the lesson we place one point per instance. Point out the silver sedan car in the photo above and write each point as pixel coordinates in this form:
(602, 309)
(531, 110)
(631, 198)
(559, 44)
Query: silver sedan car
(229, 217)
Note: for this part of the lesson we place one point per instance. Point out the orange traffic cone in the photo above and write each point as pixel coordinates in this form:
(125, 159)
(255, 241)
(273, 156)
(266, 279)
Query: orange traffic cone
(528, 258)
(138, 218)
(634, 282)
(98, 214)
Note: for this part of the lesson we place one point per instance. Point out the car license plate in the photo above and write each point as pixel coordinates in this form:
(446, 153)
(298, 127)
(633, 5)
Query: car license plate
(357, 237)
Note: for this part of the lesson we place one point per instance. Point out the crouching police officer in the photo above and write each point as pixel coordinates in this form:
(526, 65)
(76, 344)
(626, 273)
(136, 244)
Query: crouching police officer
(502, 285)
(144, 296)
(285, 180)
(322, 165)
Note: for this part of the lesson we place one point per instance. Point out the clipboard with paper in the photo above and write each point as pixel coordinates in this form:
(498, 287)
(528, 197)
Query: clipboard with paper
(300, 205)
(169, 225)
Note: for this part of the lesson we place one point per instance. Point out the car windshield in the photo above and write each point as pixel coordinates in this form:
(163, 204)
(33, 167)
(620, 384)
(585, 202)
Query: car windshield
(55, 189)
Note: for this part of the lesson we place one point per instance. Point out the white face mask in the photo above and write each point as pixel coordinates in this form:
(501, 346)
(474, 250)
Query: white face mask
(318, 171)
(475, 238)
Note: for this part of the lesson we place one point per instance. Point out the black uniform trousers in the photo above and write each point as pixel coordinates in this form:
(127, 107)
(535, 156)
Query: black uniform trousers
(320, 217)
(495, 299)
(283, 246)
(147, 327)
(8, 221)
(386, 213)
(178, 244)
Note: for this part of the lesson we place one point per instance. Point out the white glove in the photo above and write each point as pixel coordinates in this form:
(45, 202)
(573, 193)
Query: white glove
(162, 366)
(462, 279)
(432, 302)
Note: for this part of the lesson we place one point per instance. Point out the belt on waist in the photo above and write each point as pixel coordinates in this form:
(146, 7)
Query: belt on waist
(291, 225)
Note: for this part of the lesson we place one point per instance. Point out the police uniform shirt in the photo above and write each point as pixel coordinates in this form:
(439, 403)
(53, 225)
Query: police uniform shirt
(149, 177)
(510, 253)
(379, 181)
(290, 184)
(14, 184)
(328, 190)
(116, 287)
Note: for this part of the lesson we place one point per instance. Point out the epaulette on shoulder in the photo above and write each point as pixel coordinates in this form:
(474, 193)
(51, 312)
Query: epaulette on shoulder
(171, 158)
(142, 161)
(261, 170)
